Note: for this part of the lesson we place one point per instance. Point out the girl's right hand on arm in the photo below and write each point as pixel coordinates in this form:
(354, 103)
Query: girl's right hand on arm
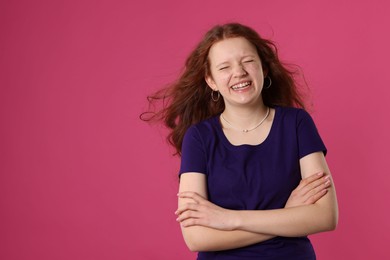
(309, 190)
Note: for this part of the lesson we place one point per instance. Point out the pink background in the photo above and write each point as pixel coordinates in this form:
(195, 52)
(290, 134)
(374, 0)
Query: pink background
(83, 178)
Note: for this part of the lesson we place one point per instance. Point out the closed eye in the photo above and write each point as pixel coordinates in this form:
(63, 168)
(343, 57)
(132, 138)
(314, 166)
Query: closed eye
(223, 68)
(248, 61)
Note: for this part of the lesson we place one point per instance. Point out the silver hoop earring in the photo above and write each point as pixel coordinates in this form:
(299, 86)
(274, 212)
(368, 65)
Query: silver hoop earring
(269, 84)
(213, 96)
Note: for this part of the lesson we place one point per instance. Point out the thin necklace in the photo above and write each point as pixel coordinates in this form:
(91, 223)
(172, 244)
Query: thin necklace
(247, 130)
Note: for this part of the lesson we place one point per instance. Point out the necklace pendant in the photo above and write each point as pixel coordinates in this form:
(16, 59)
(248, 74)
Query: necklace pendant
(245, 130)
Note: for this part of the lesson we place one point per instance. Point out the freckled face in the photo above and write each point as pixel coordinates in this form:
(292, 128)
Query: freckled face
(236, 71)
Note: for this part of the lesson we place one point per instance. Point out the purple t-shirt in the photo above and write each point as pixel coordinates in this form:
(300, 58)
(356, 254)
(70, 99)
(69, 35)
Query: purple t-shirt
(254, 177)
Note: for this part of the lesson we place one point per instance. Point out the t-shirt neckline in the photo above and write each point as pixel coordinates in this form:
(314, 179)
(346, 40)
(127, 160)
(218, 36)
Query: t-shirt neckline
(246, 146)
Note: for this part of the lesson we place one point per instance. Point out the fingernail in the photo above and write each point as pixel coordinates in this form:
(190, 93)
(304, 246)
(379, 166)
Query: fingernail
(320, 173)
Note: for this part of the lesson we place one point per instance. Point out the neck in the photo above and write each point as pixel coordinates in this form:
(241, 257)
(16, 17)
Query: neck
(245, 118)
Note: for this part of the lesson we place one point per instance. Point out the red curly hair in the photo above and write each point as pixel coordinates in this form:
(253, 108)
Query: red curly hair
(187, 101)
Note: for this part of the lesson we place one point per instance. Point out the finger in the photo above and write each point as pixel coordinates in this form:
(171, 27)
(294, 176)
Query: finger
(188, 215)
(308, 188)
(313, 199)
(189, 222)
(310, 179)
(193, 219)
(317, 190)
(186, 207)
(191, 195)
(313, 177)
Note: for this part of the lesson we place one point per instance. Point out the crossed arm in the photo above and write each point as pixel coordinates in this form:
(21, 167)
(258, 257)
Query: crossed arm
(311, 208)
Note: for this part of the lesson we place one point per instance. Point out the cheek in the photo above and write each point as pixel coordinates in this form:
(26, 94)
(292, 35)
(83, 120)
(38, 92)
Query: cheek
(255, 68)
(222, 78)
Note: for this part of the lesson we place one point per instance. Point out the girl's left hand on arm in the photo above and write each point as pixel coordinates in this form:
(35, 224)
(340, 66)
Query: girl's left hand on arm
(201, 212)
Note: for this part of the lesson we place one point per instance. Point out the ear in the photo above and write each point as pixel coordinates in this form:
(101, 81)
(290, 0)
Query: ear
(264, 67)
(265, 72)
(211, 83)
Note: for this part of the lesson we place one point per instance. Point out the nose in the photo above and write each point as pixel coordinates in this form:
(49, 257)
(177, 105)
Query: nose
(239, 71)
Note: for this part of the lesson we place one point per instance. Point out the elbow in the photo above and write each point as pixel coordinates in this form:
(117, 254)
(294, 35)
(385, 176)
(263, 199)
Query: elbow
(195, 245)
(334, 221)
(326, 220)
(330, 225)
(331, 221)
(194, 241)
(200, 239)
(192, 244)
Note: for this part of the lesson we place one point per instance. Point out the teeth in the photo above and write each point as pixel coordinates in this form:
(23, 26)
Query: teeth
(241, 85)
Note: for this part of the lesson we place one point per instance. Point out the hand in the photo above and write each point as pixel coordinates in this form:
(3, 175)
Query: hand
(201, 212)
(309, 190)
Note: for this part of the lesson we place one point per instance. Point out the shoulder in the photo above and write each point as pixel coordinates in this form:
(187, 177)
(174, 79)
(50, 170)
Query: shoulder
(203, 130)
(197, 141)
(292, 111)
(293, 114)
(204, 127)
(300, 122)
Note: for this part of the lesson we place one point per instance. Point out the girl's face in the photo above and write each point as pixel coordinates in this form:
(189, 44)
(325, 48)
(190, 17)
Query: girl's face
(236, 72)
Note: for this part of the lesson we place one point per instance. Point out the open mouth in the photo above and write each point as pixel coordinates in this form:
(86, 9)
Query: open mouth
(241, 85)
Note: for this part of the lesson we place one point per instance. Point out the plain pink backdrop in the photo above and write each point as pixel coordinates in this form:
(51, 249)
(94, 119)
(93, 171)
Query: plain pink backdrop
(83, 178)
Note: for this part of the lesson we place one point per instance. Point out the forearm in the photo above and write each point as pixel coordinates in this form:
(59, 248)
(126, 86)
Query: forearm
(289, 222)
(198, 217)
(295, 221)
(199, 238)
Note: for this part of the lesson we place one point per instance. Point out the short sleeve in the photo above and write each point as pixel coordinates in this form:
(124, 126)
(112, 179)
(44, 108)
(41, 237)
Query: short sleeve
(193, 155)
(309, 140)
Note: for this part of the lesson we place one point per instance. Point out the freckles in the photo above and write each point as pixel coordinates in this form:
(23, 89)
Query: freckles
(255, 66)
(225, 78)
(222, 78)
